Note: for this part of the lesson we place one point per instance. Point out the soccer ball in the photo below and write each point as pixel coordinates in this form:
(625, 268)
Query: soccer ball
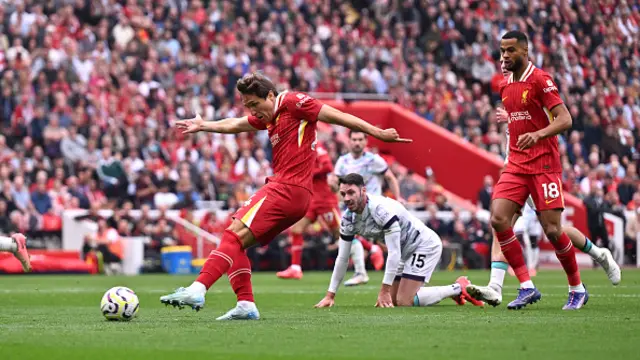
(119, 303)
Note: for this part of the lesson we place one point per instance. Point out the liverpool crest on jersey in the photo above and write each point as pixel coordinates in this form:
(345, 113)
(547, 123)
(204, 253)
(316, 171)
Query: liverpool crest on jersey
(524, 97)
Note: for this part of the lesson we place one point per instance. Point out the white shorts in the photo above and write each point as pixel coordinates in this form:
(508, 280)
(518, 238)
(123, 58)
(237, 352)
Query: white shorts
(420, 264)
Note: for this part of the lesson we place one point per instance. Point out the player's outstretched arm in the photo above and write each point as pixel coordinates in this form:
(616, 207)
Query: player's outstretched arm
(339, 269)
(332, 115)
(225, 126)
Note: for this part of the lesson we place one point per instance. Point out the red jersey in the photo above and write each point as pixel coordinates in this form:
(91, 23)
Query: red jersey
(322, 193)
(529, 103)
(293, 138)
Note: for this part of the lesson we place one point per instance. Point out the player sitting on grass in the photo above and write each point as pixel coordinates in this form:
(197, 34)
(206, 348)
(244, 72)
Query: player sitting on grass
(17, 245)
(414, 250)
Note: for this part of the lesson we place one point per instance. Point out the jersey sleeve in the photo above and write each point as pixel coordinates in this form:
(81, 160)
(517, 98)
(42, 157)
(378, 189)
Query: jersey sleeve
(303, 106)
(347, 226)
(384, 217)
(256, 123)
(548, 91)
(379, 165)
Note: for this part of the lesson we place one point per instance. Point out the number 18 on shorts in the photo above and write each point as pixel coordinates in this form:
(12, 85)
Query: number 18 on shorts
(545, 189)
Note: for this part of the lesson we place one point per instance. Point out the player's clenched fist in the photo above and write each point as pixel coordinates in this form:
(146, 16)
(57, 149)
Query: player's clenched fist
(527, 140)
(190, 125)
(502, 115)
(327, 301)
(391, 135)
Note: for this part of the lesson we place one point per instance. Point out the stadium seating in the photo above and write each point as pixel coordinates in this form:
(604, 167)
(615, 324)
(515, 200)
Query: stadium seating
(88, 93)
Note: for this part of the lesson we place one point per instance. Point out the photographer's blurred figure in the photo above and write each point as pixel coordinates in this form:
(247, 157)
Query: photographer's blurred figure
(105, 248)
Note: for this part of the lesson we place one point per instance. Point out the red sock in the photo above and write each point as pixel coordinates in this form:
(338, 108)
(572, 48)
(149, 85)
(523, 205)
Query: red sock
(512, 251)
(297, 242)
(220, 259)
(567, 256)
(240, 277)
(366, 244)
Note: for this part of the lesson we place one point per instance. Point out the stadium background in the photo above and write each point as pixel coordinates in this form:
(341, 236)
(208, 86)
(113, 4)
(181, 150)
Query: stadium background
(89, 90)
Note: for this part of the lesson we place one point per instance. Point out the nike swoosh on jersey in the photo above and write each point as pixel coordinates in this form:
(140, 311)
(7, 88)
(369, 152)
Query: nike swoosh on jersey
(550, 201)
(504, 98)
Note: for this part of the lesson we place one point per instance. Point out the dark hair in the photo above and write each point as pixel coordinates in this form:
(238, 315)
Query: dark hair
(352, 179)
(256, 84)
(518, 35)
(351, 132)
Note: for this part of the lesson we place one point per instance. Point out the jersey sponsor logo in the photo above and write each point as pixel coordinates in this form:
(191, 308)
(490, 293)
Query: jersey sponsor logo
(382, 213)
(302, 99)
(549, 82)
(524, 97)
(275, 139)
(519, 116)
(550, 89)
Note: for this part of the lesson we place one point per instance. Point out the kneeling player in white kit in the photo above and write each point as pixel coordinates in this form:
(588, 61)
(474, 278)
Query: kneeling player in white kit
(413, 250)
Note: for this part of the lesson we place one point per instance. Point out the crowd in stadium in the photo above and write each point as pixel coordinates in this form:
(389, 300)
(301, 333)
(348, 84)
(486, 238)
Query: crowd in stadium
(90, 89)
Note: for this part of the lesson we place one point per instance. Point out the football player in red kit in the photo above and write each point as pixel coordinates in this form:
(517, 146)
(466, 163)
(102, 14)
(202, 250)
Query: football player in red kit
(291, 119)
(324, 207)
(537, 115)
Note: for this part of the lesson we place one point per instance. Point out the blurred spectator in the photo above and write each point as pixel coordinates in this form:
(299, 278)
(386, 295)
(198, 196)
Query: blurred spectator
(94, 90)
(484, 195)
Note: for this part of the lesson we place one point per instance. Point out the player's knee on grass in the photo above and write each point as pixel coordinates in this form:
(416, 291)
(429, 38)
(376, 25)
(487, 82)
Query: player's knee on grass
(394, 290)
(407, 290)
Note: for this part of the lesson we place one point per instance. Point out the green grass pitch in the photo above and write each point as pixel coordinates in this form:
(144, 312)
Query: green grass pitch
(58, 317)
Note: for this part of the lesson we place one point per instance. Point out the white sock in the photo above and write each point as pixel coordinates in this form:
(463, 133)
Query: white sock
(432, 295)
(579, 288)
(497, 279)
(197, 287)
(527, 285)
(8, 244)
(357, 255)
(246, 304)
(296, 267)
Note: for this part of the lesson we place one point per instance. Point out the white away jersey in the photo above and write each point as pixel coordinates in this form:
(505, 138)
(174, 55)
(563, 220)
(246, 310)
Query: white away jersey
(370, 166)
(381, 212)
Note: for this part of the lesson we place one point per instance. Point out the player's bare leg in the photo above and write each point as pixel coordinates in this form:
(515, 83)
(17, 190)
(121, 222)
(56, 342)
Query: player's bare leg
(297, 242)
(17, 244)
(502, 214)
(600, 255)
(550, 220)
(229, 258)
(360, 271)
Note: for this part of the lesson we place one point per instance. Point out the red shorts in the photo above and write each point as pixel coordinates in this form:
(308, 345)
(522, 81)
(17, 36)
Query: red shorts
(273, 209)
(545, 189)
(327, 214)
